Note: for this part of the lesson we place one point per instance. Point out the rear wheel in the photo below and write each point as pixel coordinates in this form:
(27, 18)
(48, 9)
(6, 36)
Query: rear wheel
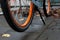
(16, 16)
(46, 9)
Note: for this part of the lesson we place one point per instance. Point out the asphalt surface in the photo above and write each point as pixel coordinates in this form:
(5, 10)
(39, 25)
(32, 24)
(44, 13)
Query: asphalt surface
(36, 31)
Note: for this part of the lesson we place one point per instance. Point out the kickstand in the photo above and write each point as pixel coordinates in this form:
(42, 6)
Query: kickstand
(36, 9)
(41, 17)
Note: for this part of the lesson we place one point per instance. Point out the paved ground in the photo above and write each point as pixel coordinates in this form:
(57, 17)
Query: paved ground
(36, 31)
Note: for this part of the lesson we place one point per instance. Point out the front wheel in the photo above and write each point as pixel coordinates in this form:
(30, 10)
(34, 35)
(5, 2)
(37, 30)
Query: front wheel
(16, 18)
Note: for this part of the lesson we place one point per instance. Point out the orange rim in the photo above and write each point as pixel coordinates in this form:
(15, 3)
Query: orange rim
(48, 9)
(27, 20)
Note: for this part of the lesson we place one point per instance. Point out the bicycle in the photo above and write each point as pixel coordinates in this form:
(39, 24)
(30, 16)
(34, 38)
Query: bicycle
(10, 16)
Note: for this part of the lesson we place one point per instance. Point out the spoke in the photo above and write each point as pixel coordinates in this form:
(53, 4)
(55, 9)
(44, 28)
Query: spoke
(19, 14)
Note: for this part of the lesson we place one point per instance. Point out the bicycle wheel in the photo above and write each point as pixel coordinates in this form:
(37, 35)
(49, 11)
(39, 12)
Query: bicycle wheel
(15, 19)
(47, 8)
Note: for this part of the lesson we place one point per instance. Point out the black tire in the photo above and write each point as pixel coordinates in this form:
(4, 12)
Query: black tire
(7, 15)
(44, 8)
